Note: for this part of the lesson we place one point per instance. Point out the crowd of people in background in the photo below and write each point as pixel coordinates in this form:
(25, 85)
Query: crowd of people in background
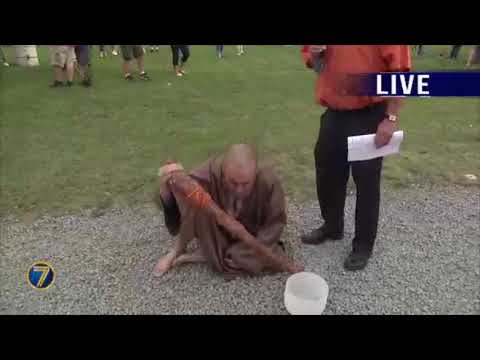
(67, 60)
(240, 50)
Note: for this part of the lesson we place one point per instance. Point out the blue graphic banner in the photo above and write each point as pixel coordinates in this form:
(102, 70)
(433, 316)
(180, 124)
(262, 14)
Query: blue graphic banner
(423, 84)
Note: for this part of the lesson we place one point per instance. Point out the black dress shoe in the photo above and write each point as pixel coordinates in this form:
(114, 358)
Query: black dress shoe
(356, 261)
(320, 235)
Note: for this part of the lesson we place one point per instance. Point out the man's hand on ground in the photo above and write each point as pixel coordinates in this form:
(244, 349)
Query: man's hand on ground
(384, 133)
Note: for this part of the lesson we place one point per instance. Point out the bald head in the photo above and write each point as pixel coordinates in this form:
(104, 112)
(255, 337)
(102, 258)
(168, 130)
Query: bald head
(240, 156)
(240, 168)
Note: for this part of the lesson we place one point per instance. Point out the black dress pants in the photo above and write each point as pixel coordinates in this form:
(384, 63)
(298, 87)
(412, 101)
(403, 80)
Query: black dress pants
(333, 171)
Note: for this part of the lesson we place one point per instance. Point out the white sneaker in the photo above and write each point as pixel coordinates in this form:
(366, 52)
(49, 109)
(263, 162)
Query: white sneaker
(114, 52)
(6, 64)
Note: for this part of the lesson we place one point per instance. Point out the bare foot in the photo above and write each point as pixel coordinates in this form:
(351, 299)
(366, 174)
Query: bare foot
(164, 264)
(231, 263)
(195, 257)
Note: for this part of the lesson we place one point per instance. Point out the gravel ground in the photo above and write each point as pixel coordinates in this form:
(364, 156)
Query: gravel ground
(426, 261)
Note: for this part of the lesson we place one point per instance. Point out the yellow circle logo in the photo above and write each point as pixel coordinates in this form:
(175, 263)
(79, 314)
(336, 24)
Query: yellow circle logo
(41, 275)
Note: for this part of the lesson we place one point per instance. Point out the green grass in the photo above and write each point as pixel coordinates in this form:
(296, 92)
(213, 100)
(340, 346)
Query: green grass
(66, 149)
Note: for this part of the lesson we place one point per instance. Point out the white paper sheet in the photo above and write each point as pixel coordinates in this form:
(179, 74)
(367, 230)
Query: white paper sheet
(363, 147)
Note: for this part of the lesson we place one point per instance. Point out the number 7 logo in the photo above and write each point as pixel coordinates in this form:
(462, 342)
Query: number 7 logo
(44, 269)
(41, 275)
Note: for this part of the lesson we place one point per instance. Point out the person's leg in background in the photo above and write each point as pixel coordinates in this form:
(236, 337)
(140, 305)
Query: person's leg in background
(58, 62)
(175, 58)
(3, 59)
(185, 55)
(88, 66)
(70, 64)
(115, 50)
(77, 66)
(59, 76)
(366, 175)
(83, 61)
(420, 50)
(454, 52)
(219, 49)
(474, 56)
(127, 54)
(138, 53)
(240, 50)
(102, 51)
(332, 172)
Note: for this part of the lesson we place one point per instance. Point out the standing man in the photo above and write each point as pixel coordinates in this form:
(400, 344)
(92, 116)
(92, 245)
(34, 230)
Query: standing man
(454, 52)
(178, 67)
(240, 50)
(348, 115)
(62, 58)
(128, 53)
(219, 49)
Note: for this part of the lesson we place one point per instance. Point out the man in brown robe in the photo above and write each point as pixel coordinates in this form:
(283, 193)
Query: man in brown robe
(251, 195)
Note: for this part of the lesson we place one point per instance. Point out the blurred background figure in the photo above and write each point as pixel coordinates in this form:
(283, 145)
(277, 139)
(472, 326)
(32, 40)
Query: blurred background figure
(62, 59)
(240, 49)
(418, 49)
(474, 57)
(219, 51)
(103, 52)
(178, 66)
(3, 59)
(82, 54)
(155, 48)
(454, 52)
(130, 52)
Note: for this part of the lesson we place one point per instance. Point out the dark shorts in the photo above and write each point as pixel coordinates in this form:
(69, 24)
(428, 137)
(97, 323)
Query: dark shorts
(131, 51)
(82, 53)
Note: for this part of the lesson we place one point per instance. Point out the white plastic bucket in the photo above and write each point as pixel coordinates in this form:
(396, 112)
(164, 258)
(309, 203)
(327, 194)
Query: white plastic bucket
(26, 55)
(305, 294)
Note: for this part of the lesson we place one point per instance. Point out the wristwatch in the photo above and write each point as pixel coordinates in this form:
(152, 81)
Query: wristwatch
(392, 118)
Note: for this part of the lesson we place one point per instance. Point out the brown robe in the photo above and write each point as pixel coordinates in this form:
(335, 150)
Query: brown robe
(262, 213)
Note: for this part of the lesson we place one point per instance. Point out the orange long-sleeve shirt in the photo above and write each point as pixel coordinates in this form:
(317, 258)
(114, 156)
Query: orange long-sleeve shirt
(343, 60)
